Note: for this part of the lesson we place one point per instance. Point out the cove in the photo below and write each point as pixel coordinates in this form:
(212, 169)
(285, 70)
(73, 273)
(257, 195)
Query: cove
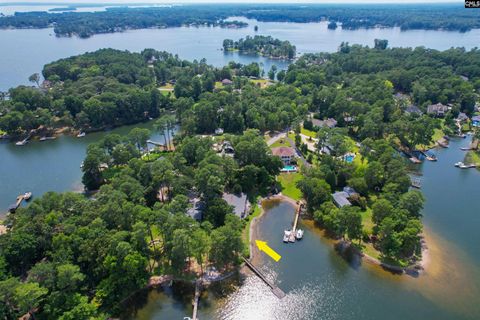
(53, 165)
(320, 284)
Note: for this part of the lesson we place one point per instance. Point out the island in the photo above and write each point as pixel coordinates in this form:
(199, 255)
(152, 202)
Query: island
(451, 17)
(262, 45)
(337, 132)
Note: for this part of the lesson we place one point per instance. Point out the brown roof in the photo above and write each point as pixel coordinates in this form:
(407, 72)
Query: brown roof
(283, 152)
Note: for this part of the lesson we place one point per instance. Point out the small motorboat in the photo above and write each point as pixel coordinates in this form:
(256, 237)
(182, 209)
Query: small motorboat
(459, 164)
(21, 143)
(299, 234)
(47, 138)
(81, 135)
(286, 235)
(27, 196)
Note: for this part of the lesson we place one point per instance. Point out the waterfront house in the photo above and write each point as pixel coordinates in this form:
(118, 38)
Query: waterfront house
(196, 209)
(227, 82)
(239, 202)
(227, 148)
(350, 191)
(476, 121)
(437, 110)
(462, 117)
(413, 109)
(330, 123)
(287, 154)
(340, 198)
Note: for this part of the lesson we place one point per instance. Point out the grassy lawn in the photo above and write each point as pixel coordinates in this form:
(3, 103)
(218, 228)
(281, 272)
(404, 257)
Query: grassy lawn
(288, 181)
(437, 135)
(309, 133)
(282, 142)
(472, 157)
(466, 127)
(167, 86)
(367, 220)
(262, 83)
(248, 221)
(368, 249)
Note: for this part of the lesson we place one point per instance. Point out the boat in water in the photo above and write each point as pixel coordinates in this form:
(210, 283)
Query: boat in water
(81, 135)
(286, 235)
(21, 143)
(27, 196)
(299, 234)
(458, 164)
(47, 138)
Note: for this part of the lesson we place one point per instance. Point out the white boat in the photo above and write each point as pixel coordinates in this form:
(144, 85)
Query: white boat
(286, 235)
(27, 195)
(47, 138)
(81, 135)
(459, 164)
(21, 143)
(299, 234)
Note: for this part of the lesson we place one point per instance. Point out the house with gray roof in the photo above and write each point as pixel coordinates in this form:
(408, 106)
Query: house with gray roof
(340, 198)
(437, 110)
(413, 109)
(240, 203)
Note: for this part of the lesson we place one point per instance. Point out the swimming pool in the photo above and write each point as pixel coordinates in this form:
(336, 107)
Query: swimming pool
(349, 158)
(289, 168)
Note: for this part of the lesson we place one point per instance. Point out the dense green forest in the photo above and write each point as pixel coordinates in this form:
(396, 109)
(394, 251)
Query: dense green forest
(85, 24)
(108, 88)
(263, 45)
(68, 257)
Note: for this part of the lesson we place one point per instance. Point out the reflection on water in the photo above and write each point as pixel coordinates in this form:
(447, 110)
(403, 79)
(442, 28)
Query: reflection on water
(254, 300)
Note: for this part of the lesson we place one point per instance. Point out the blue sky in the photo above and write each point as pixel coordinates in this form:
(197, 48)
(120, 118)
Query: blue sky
(230, 1)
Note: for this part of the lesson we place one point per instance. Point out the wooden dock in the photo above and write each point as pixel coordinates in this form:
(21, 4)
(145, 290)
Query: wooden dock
(158, 144)
(196, 298)
(295, 224)
(276, 290)
(17, 203)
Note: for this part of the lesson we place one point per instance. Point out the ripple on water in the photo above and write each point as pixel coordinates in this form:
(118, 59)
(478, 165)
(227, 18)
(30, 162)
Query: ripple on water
(254, 300)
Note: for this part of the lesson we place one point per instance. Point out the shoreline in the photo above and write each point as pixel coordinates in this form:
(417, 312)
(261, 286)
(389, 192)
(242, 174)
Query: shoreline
(418, 268)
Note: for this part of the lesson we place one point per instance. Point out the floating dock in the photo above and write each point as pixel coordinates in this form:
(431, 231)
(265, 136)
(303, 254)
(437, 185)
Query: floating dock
(276, 290)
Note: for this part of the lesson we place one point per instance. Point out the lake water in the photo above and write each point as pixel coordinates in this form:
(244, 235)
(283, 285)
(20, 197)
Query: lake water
(320, 284)
(53, 165)
(26, 51)
(48, 166)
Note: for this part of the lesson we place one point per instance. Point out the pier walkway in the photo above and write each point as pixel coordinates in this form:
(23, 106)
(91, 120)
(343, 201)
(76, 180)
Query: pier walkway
(196, 298)
(295, 223)
(17, 203)
(276, 290)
